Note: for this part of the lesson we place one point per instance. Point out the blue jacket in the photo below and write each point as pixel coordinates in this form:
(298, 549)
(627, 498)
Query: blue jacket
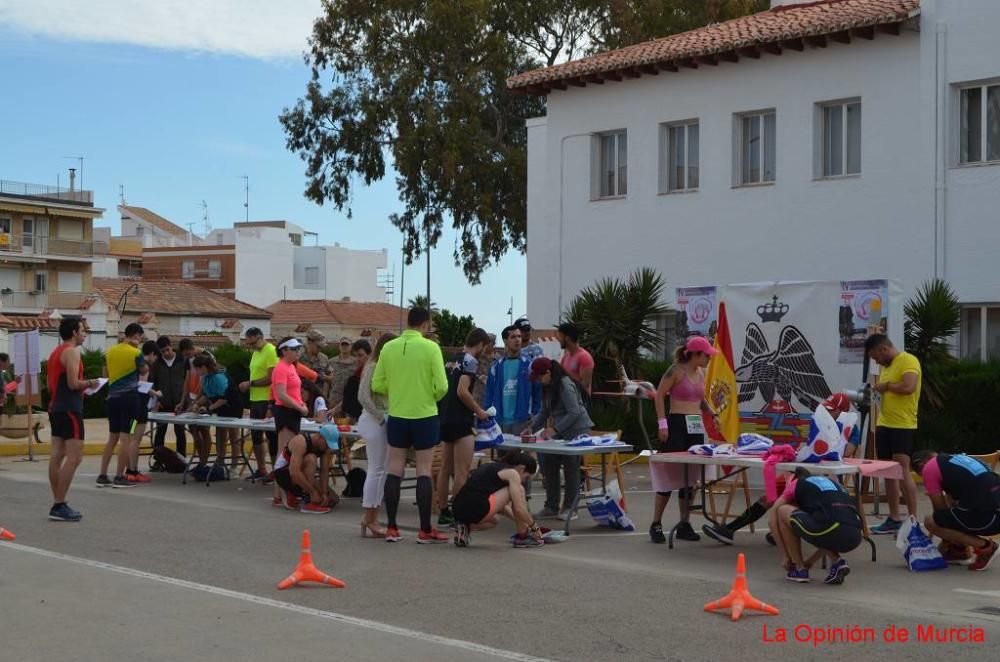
(529, 394)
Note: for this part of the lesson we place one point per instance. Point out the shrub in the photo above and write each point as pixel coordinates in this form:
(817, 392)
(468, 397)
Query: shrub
(964, 421)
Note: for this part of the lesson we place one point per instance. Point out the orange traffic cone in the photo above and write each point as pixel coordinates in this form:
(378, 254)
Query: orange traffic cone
(739, 597)
(306, 571)
(7, 535)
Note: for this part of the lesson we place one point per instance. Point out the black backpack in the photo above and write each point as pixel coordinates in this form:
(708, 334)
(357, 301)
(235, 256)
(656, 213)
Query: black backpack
(355, 483)
(168, 459)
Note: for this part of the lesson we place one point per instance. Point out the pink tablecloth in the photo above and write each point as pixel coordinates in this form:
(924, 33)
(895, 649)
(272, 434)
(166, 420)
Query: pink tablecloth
(877, 468)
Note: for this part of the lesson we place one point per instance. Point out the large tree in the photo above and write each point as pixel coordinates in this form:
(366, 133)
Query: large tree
(421, 85)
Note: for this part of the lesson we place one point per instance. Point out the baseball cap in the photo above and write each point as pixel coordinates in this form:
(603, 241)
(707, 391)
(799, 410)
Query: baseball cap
(316, 337)
(522, 324)
(700, 344)
(332, 436)
(291, 343)
(345, 341)
(539, 367)
(837, 401)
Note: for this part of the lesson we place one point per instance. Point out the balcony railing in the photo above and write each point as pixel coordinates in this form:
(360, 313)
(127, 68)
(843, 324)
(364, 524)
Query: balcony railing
(44, 192)
(45, 245)
(11, 299)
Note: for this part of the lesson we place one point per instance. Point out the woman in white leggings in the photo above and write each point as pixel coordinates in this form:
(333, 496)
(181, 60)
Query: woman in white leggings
(371, 426)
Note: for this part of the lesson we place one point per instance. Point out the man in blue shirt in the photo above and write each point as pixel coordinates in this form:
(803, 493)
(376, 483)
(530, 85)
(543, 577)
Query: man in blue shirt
(508, 389)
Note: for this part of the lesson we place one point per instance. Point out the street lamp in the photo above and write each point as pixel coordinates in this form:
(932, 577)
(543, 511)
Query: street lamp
(123, 299)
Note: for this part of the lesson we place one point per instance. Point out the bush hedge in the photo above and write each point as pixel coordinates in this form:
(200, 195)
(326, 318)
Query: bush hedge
(964, 423)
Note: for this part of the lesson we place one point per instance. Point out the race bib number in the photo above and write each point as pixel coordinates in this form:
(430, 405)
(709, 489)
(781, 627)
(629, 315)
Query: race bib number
(694, 424)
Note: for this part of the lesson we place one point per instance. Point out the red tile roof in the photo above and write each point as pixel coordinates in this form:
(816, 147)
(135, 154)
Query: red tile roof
(152, 218)
(785, 25)
(343, 313)
(173, 298)
(28, 323)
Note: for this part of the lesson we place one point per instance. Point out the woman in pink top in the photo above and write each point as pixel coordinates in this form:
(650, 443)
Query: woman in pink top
(684, 382)
(286, 393)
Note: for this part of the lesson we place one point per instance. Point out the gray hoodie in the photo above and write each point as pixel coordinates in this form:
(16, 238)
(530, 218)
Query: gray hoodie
(569, 417)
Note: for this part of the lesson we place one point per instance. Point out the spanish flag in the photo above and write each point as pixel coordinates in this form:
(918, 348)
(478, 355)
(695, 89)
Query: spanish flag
(720, 382)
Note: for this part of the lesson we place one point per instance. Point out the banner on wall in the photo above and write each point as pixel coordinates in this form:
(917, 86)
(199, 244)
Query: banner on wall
(863, 304)
(697, 312)
(787, 348)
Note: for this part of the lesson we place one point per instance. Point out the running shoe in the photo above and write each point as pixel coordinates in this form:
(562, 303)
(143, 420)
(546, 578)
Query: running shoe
(446, 519)
(718, 533)
(889, 527)
(769, 537)
(121, 481)
(277, 502)
(984, 557)
(527, 541)
(838, 571)
(256, 475)
(432, 537)
(568, 515)
(292, 502)
(314, 509)
(656, 533)
(797, 575)
(686, 532)
(137, 477)
(957, 554)
(103, 481)
(63, 513)
(462, 534)
(392, 534)
(547, 513)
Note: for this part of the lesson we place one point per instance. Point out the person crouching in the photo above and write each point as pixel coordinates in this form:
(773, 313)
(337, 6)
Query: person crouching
(295, 471)
(496, 489)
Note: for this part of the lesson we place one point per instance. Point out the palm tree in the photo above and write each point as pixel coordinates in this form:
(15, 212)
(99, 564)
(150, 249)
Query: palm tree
(420, 301)
(933, 317)
(617, 317)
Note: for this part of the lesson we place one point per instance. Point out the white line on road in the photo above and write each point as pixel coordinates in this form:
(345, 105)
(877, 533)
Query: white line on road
(287, 606)
(989, 594)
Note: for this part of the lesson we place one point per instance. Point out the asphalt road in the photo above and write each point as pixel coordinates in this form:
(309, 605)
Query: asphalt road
(167, 571)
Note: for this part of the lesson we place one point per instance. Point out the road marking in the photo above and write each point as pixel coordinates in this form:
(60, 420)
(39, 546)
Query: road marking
(287, 606)
(989, 594)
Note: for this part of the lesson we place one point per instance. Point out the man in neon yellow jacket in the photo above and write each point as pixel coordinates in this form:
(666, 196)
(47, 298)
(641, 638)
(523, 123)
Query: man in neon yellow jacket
(411, 372)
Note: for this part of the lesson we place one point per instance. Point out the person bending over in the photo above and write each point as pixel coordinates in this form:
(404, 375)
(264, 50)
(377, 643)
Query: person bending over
(966, 499)
(821, 512)
(295, 471)
(496, 489)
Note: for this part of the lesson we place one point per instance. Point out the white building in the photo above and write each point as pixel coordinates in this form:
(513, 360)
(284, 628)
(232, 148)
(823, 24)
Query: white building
(830, 140)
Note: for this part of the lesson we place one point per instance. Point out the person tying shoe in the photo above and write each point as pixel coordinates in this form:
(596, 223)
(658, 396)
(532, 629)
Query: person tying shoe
(295, 471)
(496, 489)
(965, 495)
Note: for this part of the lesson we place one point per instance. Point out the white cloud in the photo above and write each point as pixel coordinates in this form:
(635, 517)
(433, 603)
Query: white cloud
(263, 29)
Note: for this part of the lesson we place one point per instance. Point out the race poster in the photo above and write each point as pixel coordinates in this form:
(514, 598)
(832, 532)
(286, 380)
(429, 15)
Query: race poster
(697, 312)
(863, 304)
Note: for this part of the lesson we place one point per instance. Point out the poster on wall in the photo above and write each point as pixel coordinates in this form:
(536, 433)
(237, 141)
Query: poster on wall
(697, 312)
(863, 304)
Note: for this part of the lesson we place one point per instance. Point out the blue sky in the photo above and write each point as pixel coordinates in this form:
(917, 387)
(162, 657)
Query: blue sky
(177, 104)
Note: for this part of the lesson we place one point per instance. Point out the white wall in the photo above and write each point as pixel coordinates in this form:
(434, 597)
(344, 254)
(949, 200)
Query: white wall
(881, 224)
(188, 325)
(354, 273)
(263, 269)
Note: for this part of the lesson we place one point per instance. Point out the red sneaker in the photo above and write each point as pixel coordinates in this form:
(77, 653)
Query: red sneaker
(138, 477)
(277, 502)
(984, 556)
(432, 537)
(392, 534)
(314, 509)
(292, 502)
(958, 554)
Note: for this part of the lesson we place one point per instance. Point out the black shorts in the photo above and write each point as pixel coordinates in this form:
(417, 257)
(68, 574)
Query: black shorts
(66, 424)
(286, 419)
(821, 534)
(258, 410)
(417, 433)
(452, 431)
(678, 438)
(283, 477)
(893, 441)
(142, 409)
(973, 522)
(122, 412)
(471, 507)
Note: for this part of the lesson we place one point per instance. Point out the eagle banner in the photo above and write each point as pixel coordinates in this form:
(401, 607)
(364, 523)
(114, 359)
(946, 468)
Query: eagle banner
(721, 384)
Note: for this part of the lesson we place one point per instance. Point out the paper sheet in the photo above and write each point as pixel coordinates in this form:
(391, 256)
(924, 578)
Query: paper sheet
(101, 381)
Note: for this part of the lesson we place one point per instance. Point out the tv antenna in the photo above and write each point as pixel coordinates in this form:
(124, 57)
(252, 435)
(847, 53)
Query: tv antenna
(246, 198)
(80, 159)
(204, 217)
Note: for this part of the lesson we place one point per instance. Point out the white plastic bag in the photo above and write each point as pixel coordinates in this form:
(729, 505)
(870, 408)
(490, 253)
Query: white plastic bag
(607, 509)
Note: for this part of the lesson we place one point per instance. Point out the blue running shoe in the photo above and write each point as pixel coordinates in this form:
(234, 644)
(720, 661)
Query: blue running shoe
(798, 575)
(889, 527)
(63, 513)
(838, 571)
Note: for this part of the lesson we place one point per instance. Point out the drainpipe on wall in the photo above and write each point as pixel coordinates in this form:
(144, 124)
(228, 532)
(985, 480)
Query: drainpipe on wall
(940, 146)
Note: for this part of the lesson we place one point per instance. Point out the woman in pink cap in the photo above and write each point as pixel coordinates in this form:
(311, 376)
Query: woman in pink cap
(684, 382)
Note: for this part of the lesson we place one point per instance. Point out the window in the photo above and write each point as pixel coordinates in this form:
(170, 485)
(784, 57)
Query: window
(28, 233)
(679, 170)
(5, 234)
(187, 269)
(214, 269)
(140, 230)
(41, 281)
(980, 124)
(980, 332)
(312, 275)
(842, 139)
(757, 148)
(613, 165)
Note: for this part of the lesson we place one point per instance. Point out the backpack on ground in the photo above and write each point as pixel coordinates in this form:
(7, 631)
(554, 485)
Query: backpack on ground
(169, 460)
(355, 483)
